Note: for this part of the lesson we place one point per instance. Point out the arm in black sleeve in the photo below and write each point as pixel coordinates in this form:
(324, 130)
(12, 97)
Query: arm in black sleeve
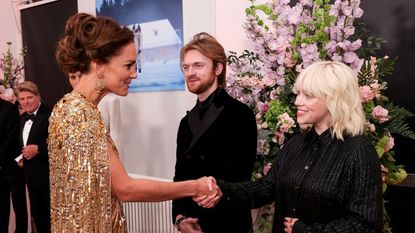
(179, 205)
(257, 193)
(254, 194)
(42, 136)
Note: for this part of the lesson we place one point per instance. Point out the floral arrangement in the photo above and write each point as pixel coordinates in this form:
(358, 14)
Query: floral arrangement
(287, 38)
(11, 73)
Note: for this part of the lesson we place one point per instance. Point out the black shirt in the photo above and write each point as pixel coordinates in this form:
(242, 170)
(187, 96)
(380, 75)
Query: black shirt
(203, 106)
(328, 184)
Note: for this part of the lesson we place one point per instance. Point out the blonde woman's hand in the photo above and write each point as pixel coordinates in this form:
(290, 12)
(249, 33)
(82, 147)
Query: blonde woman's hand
(288, 224)
(190, 225)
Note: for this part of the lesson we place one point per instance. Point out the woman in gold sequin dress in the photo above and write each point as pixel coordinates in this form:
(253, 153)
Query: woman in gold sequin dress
(87, 179)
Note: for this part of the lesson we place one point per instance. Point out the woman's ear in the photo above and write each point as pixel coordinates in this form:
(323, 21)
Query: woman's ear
(95, 65)
(97, 68)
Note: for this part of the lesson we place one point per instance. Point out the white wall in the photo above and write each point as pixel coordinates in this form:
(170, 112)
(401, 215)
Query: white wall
(229, 17)
(153, 117)
(150, 119)
(10, 29)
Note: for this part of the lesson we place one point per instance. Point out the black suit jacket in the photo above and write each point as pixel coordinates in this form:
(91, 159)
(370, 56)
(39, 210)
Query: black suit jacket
(37, 169)
(9, 128)
(223, 146)
(9, 145)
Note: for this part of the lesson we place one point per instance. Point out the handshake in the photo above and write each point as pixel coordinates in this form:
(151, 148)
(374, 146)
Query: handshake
(208, 193)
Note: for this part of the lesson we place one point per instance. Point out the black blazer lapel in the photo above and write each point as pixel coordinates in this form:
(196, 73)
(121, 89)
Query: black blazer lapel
(194, 120)
(22, 122)
(36, 123)
(211, 114)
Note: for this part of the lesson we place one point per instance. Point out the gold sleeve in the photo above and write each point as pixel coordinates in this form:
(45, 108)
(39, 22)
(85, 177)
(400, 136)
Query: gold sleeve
(79, 168)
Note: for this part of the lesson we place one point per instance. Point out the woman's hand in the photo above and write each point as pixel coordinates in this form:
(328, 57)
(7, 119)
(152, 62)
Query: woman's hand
(289, 223)
(190, 225)
(206, 186)
(212, 199)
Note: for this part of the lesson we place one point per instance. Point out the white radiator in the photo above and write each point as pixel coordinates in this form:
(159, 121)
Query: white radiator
(149, 217)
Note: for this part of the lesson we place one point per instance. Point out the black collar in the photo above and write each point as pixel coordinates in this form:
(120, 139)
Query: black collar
(203, 106)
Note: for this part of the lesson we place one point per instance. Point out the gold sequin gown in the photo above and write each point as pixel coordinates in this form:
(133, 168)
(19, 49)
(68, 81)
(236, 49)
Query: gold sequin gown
(80, 183)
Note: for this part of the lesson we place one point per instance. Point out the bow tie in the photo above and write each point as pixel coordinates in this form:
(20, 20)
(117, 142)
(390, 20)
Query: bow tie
(28, 116)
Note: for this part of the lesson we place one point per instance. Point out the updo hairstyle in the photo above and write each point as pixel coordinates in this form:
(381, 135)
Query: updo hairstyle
(88, 38)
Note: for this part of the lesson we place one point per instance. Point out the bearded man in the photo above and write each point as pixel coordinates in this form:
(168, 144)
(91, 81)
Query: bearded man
(218, 138)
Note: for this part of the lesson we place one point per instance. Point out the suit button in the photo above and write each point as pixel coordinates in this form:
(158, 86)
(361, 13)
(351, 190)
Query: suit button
(202, 157)
(306, 167)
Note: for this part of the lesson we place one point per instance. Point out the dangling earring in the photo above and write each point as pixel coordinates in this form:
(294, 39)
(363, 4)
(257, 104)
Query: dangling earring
(99, 84)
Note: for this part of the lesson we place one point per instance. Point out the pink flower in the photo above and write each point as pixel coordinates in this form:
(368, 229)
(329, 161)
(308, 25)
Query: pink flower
(286, 122)
(266, 168)
(371, 127)
(366, 94)
(357, 65)
(376, 88)
(348, 31)
(336, 57)
(289, 61)
(358, 12)
(273, 95)
(350, 57)
(331, 46)
(390, 145)
(347, 10)
(295, 15)
(356, 44)
(258, 175)
(6, 93)
(373, 65)
(306, 2)
(262, 107)
(268, 80)
(278, 137)
(384, 171)
(380, 114)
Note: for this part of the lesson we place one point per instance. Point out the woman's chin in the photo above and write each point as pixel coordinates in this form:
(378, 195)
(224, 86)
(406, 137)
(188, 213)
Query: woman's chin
(121, 92)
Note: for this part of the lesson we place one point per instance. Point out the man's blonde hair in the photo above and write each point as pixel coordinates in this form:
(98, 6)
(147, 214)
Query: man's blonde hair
(337, 85)
(28, 86)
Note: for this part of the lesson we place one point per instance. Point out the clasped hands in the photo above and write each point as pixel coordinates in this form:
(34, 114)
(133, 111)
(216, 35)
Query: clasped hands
(30, 151)
(208, 193)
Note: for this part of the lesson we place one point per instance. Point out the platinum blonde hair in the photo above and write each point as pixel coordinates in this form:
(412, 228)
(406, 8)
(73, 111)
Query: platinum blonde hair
(337, 85)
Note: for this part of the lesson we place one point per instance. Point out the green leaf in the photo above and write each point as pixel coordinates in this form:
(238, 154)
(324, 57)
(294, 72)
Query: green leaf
(381, 144)
(264, 8)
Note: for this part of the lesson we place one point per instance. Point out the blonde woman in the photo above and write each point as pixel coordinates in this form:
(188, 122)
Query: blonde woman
(326, 179)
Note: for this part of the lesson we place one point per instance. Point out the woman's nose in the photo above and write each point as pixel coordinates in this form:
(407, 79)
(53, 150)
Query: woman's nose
(134, 74)
(298, 100)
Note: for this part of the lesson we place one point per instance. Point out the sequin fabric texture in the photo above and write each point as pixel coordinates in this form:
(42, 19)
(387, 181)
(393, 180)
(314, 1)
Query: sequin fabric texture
(80, 183)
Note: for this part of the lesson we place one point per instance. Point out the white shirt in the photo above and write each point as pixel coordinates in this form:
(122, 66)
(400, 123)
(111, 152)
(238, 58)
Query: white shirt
(28, 126)
(26, 131)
